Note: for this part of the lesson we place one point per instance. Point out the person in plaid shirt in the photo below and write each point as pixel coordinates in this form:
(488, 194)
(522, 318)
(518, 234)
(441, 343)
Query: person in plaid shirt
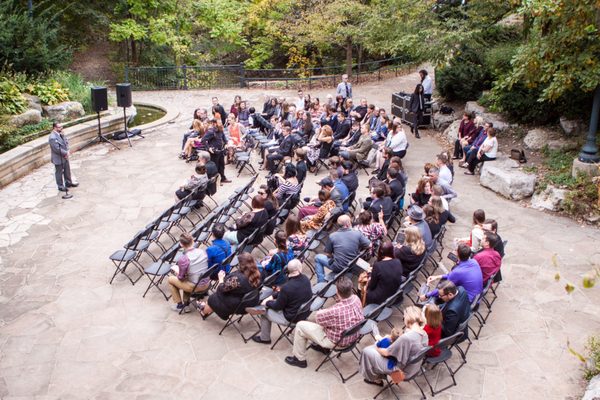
(330, 325)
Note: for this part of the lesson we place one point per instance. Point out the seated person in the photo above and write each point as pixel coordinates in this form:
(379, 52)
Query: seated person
(433, 317)
(488, 258)
(296, 240)
(219, 250)
(277, 259)
(434, 179)
(330, 323)
(374, 231)
(474, 240)
(190, 267)
(288, 184)
(423, 192)
(315, 221)
(232, 288)
(349, 176)
(456, 310)
(360, 150)
(343, 127)
(236, 132)
(376, 362)
(385, 277)
(198, 181)
(200, 115)
(379, 203)
(321, 147)
(438, 205)
(466, 274)
(342, 247)
(249, 222)
(279, 153)
(432, 217)
(412, 251)
(282, 306)
(487, 151)
(396, 184)
(271, 206)
(301, 167)
(194, 140)
(416, 217)
(491, 225)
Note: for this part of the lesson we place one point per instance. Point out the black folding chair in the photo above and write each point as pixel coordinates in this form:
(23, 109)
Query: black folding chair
(417, 359)
(130, 254)
(339, 349)
(249, 299)
(157, 271)
(445, 346)
(289, 328)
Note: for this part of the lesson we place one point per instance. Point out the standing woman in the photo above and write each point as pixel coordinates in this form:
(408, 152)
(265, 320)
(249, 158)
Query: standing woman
(214, 140)
(417, 105)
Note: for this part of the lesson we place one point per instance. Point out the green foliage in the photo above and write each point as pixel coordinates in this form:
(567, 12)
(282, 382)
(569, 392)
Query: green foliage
(29, 44)
(464, 77)
(582, 199)
(521, 104)
(11, 137)
(11, 99)
(78, 89)
(562, 50)
(50, 92)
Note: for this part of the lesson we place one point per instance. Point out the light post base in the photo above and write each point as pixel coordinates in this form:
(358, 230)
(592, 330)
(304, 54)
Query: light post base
(592, 169)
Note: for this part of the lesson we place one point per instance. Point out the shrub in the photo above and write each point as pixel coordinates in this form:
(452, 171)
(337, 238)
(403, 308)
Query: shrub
(497, 59)
(520, 104)
(50, 92)
(11, 99)
(464, 78)
(79, 90)
(592, 367)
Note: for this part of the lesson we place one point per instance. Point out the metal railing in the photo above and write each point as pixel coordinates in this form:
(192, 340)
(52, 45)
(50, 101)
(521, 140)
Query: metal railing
(237, 76)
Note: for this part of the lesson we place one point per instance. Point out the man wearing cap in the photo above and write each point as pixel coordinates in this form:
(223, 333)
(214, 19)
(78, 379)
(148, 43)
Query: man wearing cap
(343, 246)
(282, 306)
(416, 217)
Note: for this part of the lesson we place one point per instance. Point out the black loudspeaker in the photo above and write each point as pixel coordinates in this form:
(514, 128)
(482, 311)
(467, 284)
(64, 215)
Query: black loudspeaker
(124, 94)
(99, 99)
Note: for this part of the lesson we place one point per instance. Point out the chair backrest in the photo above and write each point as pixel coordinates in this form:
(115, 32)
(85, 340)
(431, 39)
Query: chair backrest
(450, 341)
(171, 252)
(419, 357)
(271, 279)
(247, 300)
(353, 330)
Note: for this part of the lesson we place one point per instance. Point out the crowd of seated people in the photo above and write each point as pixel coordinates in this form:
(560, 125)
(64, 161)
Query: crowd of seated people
(340, 134)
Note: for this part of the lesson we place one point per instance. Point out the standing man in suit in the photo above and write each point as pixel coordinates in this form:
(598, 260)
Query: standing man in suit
(344, 88)
(59, 155)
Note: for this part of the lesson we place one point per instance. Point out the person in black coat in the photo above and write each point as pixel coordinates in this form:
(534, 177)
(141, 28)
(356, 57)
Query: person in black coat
(396, 184)
(301, 167)
(282, 307)
(457, 308)
(379, 202)
(386, 275)
(416, 106)
(349, 177)
(343, 127)
(284, 150)
(219, 108)
(214, 140)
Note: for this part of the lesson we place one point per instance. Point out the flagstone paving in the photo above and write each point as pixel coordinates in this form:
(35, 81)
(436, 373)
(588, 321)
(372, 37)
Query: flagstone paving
(65, 333)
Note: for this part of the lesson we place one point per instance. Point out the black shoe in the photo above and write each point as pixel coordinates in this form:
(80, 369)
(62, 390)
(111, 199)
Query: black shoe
(320, 349)
(418, 136)
(258, 339)
(375, 172)
(292, 360)
(62, 189)
(73, 184)
(225, 181)
(380, 384)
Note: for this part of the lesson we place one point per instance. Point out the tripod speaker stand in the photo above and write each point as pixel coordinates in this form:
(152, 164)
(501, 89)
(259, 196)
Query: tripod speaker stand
(99, 103)
(124, 100)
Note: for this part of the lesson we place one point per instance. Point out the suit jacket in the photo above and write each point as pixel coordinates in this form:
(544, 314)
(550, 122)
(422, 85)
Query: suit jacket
(342, 130)
(417, 103)
(286, 146)
(360, 150)
(59, 147)
(397, 188)
(455, 312)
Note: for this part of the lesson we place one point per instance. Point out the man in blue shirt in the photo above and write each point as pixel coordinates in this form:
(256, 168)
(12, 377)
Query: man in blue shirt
(466, 273)
(220, 249)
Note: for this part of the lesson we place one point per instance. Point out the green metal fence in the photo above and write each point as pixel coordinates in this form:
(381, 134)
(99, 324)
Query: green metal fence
(236, 76)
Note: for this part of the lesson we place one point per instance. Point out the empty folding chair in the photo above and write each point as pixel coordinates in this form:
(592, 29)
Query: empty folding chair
(352, 333)
(130, 254)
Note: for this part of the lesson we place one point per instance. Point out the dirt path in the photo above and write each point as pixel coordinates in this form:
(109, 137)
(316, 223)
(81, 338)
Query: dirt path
(93, 62)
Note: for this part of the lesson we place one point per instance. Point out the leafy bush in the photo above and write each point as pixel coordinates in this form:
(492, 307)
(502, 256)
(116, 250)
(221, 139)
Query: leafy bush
(520, 104)
(79, 90)
(11, 137)
(464, 77)
(497, 59)
(50, 92)
(592, 367)
(11, 99)
(30, 44)
(583, 198)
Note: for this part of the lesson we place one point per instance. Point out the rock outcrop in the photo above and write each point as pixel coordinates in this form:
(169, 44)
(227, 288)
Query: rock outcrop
(502, 177)
(64, 111)
(550, 199)
(29, 117)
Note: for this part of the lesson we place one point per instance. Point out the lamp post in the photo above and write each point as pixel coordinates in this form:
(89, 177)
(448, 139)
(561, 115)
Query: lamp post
(589, 151)
(30, 8)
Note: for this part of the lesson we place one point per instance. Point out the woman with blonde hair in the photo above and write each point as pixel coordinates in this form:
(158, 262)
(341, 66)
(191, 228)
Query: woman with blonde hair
(193, 142)
(377, 362)
(412, 251)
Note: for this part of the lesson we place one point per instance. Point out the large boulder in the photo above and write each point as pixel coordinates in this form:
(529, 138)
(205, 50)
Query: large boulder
(29, 117)
(508, 182)
(571, 127)
(474, 108)
(64, 111)
(451, 132)
(550, 199)
(537, 138)
(442, 121)
(592, 392)
(33, 102)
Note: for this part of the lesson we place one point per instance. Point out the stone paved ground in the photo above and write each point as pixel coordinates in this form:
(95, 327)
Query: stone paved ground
(66, 334)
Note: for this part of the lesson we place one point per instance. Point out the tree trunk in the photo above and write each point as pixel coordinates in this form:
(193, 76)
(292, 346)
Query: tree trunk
(134, 53)
(349, 56)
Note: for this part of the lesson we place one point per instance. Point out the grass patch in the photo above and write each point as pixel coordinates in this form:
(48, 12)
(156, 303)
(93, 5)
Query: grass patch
(592, 366)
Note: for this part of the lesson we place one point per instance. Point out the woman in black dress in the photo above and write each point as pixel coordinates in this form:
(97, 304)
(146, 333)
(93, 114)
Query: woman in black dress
(386, 275)
(412, 251)
(232, 288)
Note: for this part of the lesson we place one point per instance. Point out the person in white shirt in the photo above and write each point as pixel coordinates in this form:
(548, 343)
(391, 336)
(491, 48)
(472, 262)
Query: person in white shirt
(442, 163)
(344, 88)
(487, 151)
(427, 83)
(396, 141)
(299, 103)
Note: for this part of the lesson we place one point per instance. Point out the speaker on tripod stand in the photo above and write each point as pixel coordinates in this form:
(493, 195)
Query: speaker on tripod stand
(99, 96)
(124, 100)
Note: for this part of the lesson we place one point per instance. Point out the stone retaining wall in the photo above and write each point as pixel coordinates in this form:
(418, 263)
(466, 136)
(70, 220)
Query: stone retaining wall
(23, 159)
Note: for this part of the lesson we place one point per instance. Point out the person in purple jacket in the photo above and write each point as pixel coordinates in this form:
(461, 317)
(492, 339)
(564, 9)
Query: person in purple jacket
(466, 273)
